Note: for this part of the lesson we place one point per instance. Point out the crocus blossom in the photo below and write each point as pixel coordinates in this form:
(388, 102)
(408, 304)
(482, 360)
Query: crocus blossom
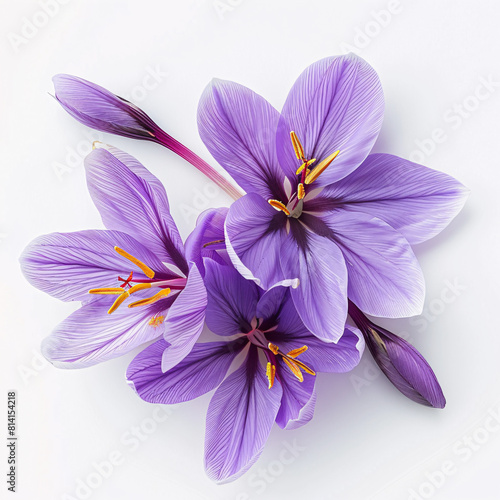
(100, 109)
(320, 207)
(275, 360)
(402, 364)
(134, 279)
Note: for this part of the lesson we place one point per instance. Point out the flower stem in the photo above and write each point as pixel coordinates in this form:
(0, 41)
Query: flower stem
(178, 148)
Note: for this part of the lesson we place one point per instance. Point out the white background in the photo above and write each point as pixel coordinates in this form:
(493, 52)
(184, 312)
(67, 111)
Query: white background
(366, 440)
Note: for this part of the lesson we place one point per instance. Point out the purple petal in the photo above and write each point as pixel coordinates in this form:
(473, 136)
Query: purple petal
(231, 300)
(68, 265)
(385, 278)
(413, 199)
(272, 300)
(185, 320)
(336, 104)
(403, 365)
(239, 420)
(254, 235)
(132, 200)
(298, 400)
(239, 128)
(201, 371)
(90, 335)
(207, 239)
(100, 109)
(321, 297)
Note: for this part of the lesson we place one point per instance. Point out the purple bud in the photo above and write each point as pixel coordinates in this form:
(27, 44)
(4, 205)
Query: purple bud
(100, 109)
(402, 364)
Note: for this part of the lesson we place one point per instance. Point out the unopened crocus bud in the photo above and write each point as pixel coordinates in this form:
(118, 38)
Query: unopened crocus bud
(402, 364)
(100, 109)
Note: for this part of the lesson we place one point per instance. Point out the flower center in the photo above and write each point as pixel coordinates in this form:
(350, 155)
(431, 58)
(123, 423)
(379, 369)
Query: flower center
(273, 353)
(307, 176)
(140, 284)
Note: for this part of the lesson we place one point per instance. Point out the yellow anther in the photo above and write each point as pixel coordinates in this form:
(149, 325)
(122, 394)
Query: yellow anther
(318, 169)
(301, 192)
(270, 373)
(140, 286)
(304, 165)
(297, 146)
(107, 291)
(296, 352)
(156, 321)
(294, 368)
(273, 348)
(119, 300)
(277, 205)
(145, 269)
(144, 302)
(294, 364)
(212, 243)
(304, 367)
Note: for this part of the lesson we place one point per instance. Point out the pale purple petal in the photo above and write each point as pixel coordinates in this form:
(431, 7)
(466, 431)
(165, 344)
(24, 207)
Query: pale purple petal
(298, 400)
(90, 335)
(415, 200)
(385, 278)
(336, 104)
(185, 319)
(201, 371)
(239, 420)
(254, 235)
(207, 239)
(96, 107)
(130, 199)
(68, 265)
(231, 300)
(403, 365)
(239, 128)
(305, 414)
(321, 297)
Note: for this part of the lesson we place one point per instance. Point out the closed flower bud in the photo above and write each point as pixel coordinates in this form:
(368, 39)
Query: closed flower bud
(402, 364)
(98, 108)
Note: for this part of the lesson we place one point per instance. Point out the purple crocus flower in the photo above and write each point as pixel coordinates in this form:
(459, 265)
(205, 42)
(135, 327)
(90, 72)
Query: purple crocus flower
(402, 364)
(271, 381)
(139, 261)
(98, 108)
(319, 207)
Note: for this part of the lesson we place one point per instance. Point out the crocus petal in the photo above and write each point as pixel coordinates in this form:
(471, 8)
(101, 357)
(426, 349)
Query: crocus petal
(132, 200)
(207, 239)
(415, 200)
(403, 365)
(385, 278)
(68, 265)
(96, 107)
(271, 302)
(321, 297)
(90, 335)
(231, 300)
(239, 128)
(336, 104)
(254, 235)
(239, 420)
(298, 400)
(185, 319)
(201, 371)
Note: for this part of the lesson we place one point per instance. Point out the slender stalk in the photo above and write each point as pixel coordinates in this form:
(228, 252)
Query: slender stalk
(178, 148)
